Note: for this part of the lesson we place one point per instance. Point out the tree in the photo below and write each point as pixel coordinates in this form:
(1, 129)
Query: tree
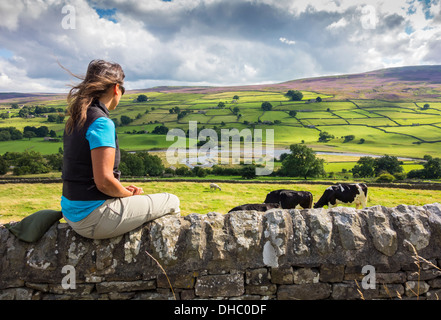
(283, 156)
(318, 99)
(24, 112)
(292, 113)
(349, 138)
(5, 135)
(182, 114)
(3, 166)
(183, 171)
(294, 95)
(325, 136)
(30, 163)
(152, 164)
(10, 133)
(302, 162)
(131, 164)
(221, 105)
(248, 172)
(160, 130)
(60, 118)
(42, 131)
(29, 134)
(432, 169)
(55, 161)
(388, 164)
(174, 110)
(199, 172)
(266, 106)
(125, 120)
(141, 98)
(364, 168)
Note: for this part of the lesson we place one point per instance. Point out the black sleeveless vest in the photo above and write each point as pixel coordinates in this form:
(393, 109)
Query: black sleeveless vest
(77, 175)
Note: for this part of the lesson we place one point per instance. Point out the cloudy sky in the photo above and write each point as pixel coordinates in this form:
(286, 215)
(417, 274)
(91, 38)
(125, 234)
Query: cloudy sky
(211, 42)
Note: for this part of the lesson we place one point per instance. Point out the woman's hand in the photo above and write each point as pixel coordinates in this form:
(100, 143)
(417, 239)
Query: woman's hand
(135, 190)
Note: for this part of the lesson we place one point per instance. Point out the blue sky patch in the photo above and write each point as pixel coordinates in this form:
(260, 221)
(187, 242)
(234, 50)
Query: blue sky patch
(4, 53)
(108, 14)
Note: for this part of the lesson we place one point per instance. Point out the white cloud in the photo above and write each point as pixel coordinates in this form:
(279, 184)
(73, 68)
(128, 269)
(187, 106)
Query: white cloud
(338, 24)
(284, 40)
(219, 42)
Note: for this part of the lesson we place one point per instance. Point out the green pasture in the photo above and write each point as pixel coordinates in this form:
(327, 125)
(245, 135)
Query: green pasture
(395, 128)
(35, 144)
(425, 132)
(20, 200)
(274, 115)
(325, 122)
(248, 105)
(338, 166)
(246, 96)
(350, 114)
(372, 122)
(315, 115)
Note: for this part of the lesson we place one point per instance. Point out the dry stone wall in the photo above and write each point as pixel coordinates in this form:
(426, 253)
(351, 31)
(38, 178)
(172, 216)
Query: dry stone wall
(339, 253)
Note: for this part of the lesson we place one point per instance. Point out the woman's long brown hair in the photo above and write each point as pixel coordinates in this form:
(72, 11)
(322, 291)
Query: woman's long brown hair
(100, 76)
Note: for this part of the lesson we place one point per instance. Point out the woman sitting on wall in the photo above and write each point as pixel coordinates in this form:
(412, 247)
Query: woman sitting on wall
(94, 202)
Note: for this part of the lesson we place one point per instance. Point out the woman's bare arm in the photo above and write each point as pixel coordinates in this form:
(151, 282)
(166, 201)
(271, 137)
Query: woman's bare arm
(103, 159)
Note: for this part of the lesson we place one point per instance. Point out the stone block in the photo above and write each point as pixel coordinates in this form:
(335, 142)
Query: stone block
(225, 285)
(312, 291)
(332, 273)
(261, 290)
(177, 281)
(257, 276)
(305, 275)
(124, 286)
(282, 275)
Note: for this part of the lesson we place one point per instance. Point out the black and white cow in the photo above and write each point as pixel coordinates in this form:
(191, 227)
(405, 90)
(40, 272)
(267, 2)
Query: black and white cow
(290, 199)
(256, 206)
(344, 193)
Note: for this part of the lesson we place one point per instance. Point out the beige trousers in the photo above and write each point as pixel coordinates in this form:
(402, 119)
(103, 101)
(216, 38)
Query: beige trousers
(120, 215)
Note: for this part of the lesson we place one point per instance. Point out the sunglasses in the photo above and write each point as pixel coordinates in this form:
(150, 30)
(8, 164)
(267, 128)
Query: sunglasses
(122, 89)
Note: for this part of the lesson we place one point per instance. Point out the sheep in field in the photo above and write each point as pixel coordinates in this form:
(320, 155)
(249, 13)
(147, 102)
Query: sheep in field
(214, 186)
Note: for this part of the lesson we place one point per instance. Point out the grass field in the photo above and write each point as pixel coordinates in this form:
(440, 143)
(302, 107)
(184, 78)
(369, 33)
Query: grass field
(387, 127)
(20, 200)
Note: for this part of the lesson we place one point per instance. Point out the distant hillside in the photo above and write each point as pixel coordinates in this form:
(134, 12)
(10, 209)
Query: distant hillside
(18, 97)
(415, 83)
(403, 83)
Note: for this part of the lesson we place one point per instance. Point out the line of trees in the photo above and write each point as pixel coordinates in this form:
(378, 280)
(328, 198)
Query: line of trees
(12, 133)
(368, 167)
(140, 163)
(389, 168)
(300, 162)
(30, 162)
(38, 110)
